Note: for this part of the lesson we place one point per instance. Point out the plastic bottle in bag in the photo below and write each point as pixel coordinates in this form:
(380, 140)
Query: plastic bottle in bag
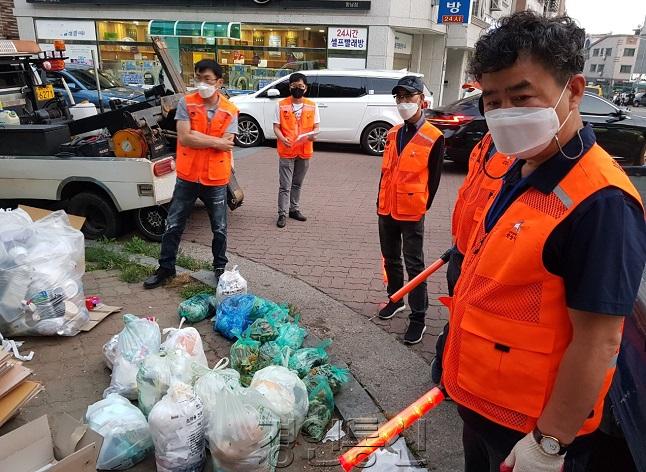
(230, 283)
(177, 428)
(287, 397)
(126, 437)
(186, 339)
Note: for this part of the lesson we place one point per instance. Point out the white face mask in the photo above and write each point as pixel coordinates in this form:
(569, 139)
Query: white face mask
(205, 90)
(407, 110)
(523, 132)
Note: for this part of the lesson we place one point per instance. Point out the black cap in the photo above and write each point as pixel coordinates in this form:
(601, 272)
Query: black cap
(410, 83)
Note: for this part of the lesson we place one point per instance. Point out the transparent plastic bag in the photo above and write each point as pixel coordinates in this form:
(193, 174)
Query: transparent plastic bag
(321, 406)
(177, 428)
(264, 308)
(186, 339)
(230, 283)
(126, 437)
(233, 315)
(287, 397)
(211, 384)
(123, 379)
(157, 373)
(197, 308)
(291, 335)
(41, 267)
(110, 351)
(244, 358)
(243, 433)
(303, 360)
(262, 330)
(336, 376)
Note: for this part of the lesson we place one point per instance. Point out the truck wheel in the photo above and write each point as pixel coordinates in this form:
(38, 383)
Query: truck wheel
(151, 222)
(101, 217)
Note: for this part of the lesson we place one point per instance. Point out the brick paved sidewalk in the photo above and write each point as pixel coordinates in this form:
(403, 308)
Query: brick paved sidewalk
(337, 249)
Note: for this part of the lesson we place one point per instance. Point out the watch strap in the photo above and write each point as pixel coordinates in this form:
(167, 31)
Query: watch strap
(538, 437)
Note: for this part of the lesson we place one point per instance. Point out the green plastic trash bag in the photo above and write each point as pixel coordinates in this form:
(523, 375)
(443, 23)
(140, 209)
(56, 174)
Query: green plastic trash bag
(291, 335)
(263, 308)
(244, 358)
(336, 376)
(268, 354)
(303, 360)
(321, 406)
(197, 308)
(262, 330)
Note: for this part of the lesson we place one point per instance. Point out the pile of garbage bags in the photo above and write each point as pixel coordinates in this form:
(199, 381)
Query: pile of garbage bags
(41, 267)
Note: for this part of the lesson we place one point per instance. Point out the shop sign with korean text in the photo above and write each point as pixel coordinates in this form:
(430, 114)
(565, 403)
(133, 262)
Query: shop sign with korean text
(403, 43)
(66, 29)
(454, 11)
(347, 38)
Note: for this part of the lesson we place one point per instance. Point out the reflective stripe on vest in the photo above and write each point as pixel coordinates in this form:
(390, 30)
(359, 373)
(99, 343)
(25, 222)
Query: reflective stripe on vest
(207, 166)
(509, 320)
(403, 190)
(293, 127)
(476, 190)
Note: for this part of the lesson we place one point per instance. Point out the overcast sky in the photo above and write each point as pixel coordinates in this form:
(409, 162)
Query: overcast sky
(605, 16)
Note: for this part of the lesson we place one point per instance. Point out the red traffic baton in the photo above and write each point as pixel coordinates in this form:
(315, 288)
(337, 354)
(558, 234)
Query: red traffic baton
(393, 428)
(419, 278)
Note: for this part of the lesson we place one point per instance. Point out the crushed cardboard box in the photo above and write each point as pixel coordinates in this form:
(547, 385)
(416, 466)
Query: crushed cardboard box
(97, 315)
(32, 447)
(39, 213)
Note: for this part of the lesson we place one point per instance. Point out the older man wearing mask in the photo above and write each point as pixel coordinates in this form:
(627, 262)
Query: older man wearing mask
(552, 267)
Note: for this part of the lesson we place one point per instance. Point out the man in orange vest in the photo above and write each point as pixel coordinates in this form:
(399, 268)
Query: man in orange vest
(206, 125)
(552, 267)
(296, 124)
(410, 174)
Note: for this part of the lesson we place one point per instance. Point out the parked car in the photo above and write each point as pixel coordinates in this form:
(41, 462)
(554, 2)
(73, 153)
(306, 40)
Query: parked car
(356, 107)
(640, 99)
(620, 133)
(82, 84)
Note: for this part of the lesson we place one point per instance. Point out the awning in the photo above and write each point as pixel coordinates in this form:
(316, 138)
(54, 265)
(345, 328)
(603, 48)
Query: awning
(194, 29)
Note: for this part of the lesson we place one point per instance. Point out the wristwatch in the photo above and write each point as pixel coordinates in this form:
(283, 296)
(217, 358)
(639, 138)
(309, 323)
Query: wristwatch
(549, 444)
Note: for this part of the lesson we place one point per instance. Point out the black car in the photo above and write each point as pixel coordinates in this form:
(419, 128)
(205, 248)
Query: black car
(621, 134)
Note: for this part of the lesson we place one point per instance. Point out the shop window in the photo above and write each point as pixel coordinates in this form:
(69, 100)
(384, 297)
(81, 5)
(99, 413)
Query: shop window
(128, 31)
(132, 65)
(340, 86)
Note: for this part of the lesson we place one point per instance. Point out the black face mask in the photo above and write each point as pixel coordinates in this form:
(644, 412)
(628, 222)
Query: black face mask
(297, 92)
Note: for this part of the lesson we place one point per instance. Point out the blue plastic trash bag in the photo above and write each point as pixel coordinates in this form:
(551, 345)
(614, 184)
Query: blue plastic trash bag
(233, 315)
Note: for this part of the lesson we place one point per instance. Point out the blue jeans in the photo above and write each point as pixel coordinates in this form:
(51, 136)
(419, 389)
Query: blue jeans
(184, 196)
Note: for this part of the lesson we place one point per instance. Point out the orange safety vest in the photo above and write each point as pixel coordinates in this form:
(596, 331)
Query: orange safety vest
(476, 190)
(509, 320)
(403, 190)
(207, 166)
(292, 127)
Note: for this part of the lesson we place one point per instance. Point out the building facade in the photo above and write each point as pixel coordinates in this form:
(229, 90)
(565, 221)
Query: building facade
(544, 7)
(610, 61)
(640, 60)
(257, 41)
(8, 24)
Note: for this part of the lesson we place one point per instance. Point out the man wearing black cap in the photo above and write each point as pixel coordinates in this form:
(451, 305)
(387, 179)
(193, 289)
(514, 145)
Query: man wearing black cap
(410, 175)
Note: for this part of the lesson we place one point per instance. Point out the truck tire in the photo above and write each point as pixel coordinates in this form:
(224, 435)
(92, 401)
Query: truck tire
(102, 219)
(151, 222)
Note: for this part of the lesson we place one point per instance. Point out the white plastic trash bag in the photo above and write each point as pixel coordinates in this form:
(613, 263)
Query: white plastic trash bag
(230, 283)
(243, 433)
(286, 395)
(41, 267)
(126, 438)
(110, 351)
(157, 373)
(186, 339)
(177, 428)
(211, 383)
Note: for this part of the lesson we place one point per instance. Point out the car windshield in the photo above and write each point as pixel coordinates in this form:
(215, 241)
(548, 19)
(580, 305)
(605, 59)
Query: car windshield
(468, 106)
(86, 77)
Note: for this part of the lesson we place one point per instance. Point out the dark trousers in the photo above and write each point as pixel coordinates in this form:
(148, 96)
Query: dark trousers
(487, 445)
(408, 236)
(184, 196)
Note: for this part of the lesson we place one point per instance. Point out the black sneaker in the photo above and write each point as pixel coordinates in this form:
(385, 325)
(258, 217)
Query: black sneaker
(282, 221)
(159, 277)
(391, 309)
(218, 273)
(415, 332)
(297, 215)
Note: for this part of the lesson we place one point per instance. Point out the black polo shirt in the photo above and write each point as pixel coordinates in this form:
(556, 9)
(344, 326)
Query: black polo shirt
(599, 249)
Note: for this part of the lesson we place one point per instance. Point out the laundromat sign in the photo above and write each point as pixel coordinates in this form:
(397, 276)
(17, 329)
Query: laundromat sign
(347, 38)
(356, 5)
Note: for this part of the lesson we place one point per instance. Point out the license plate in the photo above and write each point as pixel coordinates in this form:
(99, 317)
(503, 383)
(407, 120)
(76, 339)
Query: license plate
(44, 92)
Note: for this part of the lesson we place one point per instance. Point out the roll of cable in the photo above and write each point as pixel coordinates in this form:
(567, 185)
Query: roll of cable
(130, 143)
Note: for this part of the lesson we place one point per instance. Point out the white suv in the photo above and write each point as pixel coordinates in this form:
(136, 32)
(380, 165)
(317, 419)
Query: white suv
(356, 107)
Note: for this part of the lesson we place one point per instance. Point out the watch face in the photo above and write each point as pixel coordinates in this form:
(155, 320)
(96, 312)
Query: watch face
(550, 445)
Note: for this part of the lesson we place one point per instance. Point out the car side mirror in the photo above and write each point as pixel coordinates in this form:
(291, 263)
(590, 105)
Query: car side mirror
(273, 93)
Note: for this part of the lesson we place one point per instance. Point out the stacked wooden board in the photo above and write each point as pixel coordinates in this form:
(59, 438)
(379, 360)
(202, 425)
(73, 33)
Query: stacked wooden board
(15, 390)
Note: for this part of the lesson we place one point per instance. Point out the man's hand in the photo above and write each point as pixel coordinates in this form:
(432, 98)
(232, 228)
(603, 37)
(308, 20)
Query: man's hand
(287, 142)
(223, 144)
(312, 137)
(527, 456)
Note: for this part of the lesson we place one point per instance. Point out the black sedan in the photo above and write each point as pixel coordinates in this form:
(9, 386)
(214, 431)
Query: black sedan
(621, 134)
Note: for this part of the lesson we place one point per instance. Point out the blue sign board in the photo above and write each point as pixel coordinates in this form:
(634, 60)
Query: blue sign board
(454, 11)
